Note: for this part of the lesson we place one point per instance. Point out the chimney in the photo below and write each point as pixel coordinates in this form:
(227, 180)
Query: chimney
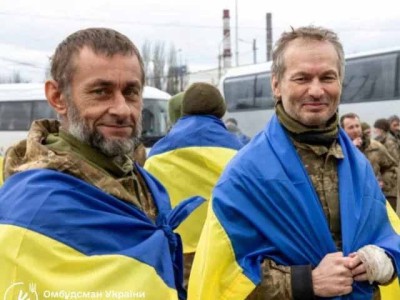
(227, 55)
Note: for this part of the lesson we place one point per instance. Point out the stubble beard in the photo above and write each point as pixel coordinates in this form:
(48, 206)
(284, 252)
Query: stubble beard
(117, 147)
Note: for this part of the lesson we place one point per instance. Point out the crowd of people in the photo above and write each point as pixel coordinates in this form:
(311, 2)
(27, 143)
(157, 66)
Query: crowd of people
(305, 210)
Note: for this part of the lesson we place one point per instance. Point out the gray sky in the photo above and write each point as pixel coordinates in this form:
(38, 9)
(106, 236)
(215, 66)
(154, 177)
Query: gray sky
(31, 29)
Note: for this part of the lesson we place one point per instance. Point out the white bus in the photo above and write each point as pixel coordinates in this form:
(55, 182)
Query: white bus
(371, 89)
(22, 103)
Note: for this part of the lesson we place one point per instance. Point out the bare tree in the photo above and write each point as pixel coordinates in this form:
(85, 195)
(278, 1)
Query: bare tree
(146, 56)
(158, 64)
(14, 78)
(173, 78)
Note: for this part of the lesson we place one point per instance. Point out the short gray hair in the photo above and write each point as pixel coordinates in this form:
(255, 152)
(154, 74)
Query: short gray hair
(310, 33)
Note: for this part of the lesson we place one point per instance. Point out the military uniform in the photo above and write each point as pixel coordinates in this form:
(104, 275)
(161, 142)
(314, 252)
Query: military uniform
(391, 145)
(321, 165)
(48, 147)
(385, 169)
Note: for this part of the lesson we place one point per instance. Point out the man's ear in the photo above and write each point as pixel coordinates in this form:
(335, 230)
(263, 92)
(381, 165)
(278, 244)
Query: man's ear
(55, 98)
(276, 91)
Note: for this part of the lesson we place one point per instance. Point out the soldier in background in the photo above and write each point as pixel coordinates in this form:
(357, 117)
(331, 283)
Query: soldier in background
(382, 135)
(383, 164)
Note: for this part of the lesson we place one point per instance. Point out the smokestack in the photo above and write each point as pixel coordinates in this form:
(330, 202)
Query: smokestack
(227, 55)
(269, 36)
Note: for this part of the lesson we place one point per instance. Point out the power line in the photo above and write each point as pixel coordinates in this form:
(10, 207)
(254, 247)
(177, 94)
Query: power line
(22, 63)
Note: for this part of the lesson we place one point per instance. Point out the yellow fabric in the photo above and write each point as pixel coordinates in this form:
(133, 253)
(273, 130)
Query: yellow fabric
(1, 170)
(187, 172)
(215, 272)
(392, 291)
(53, 266)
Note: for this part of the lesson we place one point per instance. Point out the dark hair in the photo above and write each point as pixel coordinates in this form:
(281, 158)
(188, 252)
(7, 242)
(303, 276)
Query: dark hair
(101, 40)
(393, 118)
(231, 120)
(382, 124)
(311, 33)
(348, 116)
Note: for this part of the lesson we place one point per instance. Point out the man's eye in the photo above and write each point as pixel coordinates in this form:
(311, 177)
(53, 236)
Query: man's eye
(131, 92)
(299, 79)
(329, 78)
(99, 92)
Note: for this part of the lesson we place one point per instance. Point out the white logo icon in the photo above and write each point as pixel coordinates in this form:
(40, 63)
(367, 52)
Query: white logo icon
(20, 291)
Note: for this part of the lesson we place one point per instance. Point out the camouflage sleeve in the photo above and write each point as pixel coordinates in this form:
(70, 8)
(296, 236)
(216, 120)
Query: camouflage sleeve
(393, 150)
(389, 174)
(283, 283)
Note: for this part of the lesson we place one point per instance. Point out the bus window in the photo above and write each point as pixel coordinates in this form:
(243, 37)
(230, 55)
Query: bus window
(239, 92)
(263, 95)
(15, 117)
(155, 120)
(369, 79)
(42, 110)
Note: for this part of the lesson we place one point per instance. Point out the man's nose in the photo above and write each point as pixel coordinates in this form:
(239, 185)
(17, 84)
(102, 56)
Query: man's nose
(316, 89)
(119, 106)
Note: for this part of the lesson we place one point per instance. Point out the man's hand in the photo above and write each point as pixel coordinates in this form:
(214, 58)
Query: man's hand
(357, 267)
(357, 142)
(332, 277)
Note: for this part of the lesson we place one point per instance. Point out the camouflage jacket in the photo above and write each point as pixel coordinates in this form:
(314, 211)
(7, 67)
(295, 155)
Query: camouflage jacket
(391, 145)
(321, 165)
(32, 153)
(385, 167)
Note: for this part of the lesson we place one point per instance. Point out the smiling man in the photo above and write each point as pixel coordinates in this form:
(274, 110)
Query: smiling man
(298, 213)
(76, 213)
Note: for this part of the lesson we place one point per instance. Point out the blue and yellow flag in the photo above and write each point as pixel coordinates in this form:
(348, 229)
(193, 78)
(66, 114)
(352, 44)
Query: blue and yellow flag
(392, 291)
(188, 161)
(63, 238)
(265, 206)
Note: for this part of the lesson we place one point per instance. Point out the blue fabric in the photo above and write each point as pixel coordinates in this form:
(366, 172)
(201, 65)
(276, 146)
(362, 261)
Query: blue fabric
(85, 218)
(268, 206)
(196, 131)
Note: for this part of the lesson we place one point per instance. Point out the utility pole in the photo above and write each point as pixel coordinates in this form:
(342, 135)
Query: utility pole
(236, 34)
(254, 51)
(269, 36)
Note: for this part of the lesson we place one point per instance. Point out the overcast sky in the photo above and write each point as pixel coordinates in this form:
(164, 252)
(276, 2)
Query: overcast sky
(31, 29)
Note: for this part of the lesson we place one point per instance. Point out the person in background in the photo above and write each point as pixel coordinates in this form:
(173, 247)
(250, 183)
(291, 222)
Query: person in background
(383, 164)
(232, 126)
(366, 130)
(191, 157)
(291, 215)
(382, 135)
(394, 122)
(76, 213)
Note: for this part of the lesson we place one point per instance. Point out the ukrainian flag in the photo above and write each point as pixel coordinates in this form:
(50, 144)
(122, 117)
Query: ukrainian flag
(392, 291)
(188, 162)
(60, 235)
(264, 206)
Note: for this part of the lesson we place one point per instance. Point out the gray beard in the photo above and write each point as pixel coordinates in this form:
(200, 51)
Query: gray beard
(109, 147)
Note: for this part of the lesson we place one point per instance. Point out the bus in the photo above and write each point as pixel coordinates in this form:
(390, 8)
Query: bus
(22, 103)
(371, 89)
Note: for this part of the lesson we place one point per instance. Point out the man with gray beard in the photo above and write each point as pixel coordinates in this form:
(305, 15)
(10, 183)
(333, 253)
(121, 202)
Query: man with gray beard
(80, 208)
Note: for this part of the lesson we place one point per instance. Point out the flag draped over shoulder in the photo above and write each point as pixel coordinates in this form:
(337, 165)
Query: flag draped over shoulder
(188, 161)
(62, 235)
(392, 291)
(265, 206)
